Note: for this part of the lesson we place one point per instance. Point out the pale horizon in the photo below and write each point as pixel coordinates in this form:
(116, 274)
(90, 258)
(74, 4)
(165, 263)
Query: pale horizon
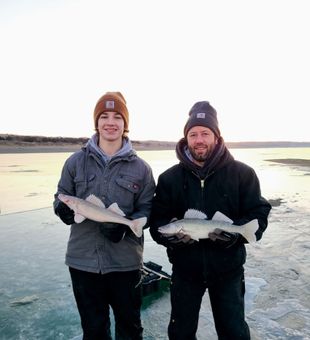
(250, 60)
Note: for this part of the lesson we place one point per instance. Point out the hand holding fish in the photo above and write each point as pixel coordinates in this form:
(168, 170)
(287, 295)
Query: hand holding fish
(64, 213)
(224, 238)
(179, 240)
(115, 232)
(197, 226)
(94, 209)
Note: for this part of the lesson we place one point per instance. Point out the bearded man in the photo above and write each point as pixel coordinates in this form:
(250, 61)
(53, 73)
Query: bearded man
(207, 179)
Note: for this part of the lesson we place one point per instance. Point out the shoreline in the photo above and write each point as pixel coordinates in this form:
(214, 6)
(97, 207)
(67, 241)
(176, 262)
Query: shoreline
(6, 148)
(35, 144)
(10, 143)
(16, 148)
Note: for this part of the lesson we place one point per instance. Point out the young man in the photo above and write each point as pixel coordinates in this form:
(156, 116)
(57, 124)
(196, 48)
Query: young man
(210, 180)
(105, 259)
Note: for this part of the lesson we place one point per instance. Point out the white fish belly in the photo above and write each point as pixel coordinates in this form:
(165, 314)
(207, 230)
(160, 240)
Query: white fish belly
(99, 214)
(201, 228)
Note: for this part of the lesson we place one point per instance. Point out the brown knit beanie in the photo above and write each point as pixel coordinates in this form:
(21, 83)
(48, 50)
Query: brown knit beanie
(114, 102)
(202, 114)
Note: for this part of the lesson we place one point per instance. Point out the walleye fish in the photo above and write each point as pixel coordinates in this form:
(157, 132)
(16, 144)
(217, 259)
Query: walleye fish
(94, 209)
(198, 227)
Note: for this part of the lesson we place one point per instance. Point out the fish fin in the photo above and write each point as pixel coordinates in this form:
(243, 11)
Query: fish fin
(137, 226)
(116, 209)
(250, 229)
(218, 216)
(193, 213)
(95, 200)
(78, 218)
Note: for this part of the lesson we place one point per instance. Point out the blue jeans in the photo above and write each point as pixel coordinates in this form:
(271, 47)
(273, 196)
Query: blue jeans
(95, 293)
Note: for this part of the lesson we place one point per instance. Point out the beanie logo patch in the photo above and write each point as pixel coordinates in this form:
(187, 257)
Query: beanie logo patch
(201, 115)
(109, 104)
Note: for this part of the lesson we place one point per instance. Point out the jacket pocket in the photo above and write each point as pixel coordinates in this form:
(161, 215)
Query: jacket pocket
(128, 184)
(123, 190)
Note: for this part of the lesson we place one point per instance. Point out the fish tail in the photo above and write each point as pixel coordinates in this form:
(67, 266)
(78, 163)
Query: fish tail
(67, 200)
(63, 198)
(250, 229)
(137, 226)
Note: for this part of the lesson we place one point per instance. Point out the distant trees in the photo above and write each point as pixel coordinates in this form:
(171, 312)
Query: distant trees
(42, 139)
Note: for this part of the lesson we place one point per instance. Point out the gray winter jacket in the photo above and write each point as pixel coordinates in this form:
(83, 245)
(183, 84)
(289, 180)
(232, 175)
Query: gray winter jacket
(126, 179)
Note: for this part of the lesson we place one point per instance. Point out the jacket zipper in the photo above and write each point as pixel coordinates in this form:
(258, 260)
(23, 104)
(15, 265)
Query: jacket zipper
(202, 183)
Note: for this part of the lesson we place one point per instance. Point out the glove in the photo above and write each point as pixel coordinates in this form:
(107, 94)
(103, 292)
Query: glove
(64, 213)
(177, 241)
(224, 238)
(113, 231)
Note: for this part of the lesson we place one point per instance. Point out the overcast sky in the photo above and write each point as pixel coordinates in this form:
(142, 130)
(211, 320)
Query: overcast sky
(249, 59)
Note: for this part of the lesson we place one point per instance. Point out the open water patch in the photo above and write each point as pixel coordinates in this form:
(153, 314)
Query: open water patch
(25, 171)
(291, 161)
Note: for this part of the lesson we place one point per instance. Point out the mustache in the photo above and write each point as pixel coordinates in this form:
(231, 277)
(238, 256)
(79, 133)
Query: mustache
(200, 145)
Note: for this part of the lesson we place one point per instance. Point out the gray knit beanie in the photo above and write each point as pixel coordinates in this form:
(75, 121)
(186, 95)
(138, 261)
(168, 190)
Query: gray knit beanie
(202, 114)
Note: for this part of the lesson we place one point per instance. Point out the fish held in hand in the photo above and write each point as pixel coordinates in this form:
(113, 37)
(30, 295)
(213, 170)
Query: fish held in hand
(196, 225)
(94, 209)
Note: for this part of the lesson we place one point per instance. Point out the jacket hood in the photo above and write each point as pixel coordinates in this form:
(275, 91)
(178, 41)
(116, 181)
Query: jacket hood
(216, 160)
(125, 151)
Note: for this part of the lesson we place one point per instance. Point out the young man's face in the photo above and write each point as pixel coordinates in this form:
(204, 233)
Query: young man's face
(201, 142)
(111, 126)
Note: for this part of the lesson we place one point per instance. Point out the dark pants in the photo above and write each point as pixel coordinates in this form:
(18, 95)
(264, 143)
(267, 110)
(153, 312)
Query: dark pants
(227, 302)
(94, 293)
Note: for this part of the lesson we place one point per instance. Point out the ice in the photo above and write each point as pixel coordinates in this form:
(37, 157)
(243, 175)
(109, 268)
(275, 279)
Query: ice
(36, 299)
(252, 289)
(286, 320)
(33, 273)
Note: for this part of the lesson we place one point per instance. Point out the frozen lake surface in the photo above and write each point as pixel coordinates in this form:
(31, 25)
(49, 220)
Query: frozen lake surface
(36, 300)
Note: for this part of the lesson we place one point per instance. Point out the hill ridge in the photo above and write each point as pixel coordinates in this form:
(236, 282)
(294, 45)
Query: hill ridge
(11, 140)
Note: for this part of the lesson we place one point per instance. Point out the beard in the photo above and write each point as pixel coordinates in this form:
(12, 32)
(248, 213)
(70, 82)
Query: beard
(201, 156)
